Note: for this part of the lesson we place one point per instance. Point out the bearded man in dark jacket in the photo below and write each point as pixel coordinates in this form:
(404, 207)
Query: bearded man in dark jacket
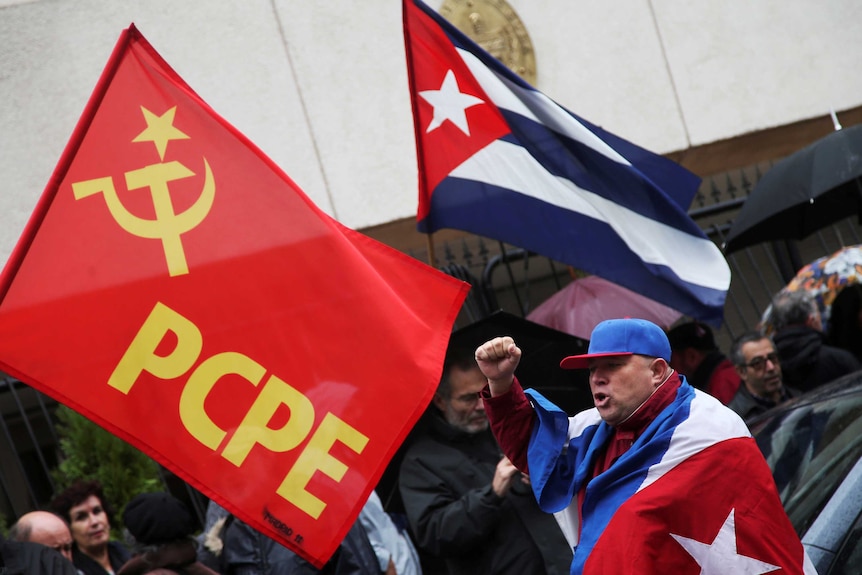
(465, 502)
(806, 360)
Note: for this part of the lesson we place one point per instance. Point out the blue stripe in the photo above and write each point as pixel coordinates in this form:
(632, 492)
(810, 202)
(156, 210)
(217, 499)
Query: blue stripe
(564, 236)
(599, 174)
(679, 185)
(571, 469)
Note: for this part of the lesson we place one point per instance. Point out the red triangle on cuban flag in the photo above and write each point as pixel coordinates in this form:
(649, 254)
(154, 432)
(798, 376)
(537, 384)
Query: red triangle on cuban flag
(457, 118)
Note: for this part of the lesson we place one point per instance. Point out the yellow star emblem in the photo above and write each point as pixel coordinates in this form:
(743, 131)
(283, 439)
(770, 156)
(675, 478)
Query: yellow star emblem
(160, 130)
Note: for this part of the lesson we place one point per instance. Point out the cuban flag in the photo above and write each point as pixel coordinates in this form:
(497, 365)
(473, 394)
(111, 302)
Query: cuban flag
(692, 496)
(502, 160)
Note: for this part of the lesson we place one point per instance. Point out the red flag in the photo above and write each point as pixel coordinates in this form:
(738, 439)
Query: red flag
(177, 288)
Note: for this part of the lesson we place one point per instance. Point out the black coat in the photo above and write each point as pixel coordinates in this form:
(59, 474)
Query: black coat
(806, 360)
(445, 482)
(249, 552)
(21, 558)
(748, 406)
(176, 557)
(117, 555)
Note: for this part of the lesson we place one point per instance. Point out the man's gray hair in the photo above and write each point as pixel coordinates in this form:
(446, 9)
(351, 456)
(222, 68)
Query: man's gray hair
(736, 356)
(791, 308)
(20, 531)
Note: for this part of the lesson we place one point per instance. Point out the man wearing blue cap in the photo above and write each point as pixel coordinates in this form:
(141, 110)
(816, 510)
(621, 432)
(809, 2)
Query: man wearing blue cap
(657, 478)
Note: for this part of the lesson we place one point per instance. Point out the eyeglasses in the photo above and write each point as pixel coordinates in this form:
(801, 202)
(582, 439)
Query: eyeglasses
(64, 547)
(759, 362)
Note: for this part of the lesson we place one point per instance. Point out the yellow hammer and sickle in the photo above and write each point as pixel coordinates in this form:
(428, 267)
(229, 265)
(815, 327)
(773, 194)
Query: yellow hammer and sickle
(167, 225)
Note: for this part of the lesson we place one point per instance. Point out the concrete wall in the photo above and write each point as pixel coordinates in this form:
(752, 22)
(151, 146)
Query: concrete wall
(321, 86)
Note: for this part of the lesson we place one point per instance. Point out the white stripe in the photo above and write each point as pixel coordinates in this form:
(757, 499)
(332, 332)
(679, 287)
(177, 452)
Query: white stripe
(581, 421)
(528, 103)
(714, 423)
(569, 518)
(695, 260)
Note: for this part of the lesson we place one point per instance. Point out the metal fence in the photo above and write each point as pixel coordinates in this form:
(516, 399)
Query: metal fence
(503, 277)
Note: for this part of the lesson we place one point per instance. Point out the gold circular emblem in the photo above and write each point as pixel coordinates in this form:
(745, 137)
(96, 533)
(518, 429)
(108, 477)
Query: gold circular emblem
(495, 26)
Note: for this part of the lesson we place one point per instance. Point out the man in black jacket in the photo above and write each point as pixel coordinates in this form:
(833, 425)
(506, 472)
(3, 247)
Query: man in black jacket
(759, 368)
(465, 502)
(806, 360)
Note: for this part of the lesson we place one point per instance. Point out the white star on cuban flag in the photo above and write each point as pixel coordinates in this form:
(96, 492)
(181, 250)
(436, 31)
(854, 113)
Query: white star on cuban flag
(720, 556)
(449, 103)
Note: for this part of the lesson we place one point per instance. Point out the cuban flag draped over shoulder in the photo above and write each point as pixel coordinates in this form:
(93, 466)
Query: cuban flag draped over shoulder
(500, 159)
(693, 495)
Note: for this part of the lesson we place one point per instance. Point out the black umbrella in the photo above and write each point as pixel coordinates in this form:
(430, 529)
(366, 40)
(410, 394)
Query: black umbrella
(542, 349)
(806, 191)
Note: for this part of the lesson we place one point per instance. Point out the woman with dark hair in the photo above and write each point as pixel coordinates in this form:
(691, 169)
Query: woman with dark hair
(84, 506)
(845, 320)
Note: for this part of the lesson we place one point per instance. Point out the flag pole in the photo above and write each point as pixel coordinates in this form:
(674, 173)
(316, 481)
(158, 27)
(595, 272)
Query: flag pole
(835, 123)
(432, 259)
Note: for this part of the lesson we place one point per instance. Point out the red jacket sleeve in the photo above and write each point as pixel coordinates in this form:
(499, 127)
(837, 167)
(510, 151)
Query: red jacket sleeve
(512, 417)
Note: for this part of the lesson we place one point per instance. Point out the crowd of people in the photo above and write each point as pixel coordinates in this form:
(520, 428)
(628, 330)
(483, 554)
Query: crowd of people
(502, 481)
(74, 537)
(789, 355)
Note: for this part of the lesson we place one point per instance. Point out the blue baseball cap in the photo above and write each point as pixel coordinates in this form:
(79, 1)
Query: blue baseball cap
(622, 337)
